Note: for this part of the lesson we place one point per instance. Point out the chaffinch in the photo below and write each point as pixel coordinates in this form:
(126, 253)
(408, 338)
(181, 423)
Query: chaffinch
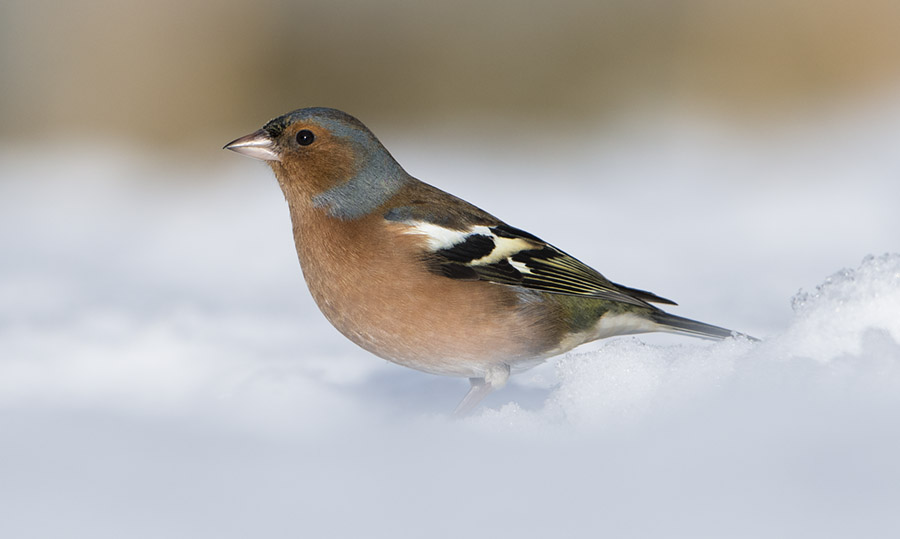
(426, 280)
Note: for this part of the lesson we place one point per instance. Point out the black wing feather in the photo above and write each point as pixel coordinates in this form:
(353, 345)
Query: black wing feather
(543, 268)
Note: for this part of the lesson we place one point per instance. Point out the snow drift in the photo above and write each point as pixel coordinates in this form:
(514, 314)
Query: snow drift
(163, 372)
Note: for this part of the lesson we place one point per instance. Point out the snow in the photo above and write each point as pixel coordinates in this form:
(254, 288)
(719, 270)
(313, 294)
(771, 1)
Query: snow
(164, 373)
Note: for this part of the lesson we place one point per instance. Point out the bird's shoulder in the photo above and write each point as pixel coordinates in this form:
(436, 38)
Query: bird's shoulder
(420, 202)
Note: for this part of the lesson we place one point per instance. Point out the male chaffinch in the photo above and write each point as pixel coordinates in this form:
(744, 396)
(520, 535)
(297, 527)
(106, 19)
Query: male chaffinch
(426, 280)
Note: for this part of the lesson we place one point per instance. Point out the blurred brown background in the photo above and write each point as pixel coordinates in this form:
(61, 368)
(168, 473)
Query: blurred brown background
(182, 73)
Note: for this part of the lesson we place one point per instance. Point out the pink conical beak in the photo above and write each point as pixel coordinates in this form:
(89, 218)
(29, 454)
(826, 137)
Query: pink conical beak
(257, 145)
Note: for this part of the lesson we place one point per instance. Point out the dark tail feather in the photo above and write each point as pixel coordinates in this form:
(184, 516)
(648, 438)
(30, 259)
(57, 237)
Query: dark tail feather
(678, 324)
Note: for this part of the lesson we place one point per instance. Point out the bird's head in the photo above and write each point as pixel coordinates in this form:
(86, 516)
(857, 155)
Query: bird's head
(326, 157)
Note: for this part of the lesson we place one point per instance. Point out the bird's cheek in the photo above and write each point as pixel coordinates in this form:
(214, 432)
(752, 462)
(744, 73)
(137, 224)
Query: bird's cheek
(295, 182)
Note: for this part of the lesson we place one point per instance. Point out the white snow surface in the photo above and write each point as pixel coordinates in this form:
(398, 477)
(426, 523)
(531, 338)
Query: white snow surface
(164, 373)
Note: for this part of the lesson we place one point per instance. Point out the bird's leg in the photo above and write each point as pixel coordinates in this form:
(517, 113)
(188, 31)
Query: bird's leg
(477, 392)
(481, 388)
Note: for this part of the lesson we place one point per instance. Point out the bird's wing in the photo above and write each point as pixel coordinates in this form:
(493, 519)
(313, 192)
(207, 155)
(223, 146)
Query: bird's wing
(499, 253)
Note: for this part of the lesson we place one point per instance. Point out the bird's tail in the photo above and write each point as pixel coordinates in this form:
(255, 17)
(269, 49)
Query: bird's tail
(686, 326)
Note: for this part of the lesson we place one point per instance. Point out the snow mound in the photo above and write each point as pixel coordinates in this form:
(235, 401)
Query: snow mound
(847, 311)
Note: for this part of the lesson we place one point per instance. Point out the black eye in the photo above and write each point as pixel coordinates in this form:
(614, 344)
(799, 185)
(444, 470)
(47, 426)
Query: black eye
(305, 137)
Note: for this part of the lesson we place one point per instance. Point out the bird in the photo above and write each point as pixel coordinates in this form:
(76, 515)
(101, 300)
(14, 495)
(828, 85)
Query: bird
(426, 280)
